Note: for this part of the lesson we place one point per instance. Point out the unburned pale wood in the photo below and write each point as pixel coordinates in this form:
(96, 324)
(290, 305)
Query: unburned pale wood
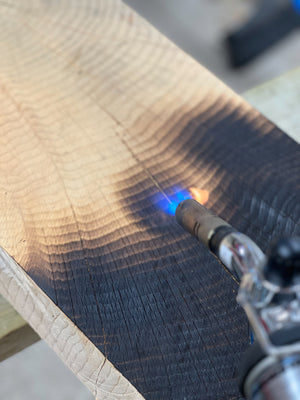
(100, 117)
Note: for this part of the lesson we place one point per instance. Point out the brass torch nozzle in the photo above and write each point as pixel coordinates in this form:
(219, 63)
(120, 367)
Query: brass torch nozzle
(198, 220)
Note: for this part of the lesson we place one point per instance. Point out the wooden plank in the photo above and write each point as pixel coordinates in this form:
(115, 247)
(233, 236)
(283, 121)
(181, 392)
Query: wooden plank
(101, 116)
(277, 100)
(15, 333)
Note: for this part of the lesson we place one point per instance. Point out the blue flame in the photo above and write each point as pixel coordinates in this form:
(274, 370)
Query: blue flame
(168, 203)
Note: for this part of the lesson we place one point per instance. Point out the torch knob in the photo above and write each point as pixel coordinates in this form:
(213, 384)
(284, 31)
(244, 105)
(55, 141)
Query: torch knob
(283, 265)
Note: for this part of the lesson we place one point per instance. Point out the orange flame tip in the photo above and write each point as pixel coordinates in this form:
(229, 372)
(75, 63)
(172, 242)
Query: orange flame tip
(200, 195)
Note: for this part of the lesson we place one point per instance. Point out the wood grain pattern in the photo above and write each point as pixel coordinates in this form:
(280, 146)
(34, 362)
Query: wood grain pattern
(90, 366)
(99, 115)
(277, 100)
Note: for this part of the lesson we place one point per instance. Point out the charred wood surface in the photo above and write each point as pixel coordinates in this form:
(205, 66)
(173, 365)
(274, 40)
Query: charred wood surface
(100, 117)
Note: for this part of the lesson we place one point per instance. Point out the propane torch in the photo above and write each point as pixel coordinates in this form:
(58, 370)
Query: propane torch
(269, 293)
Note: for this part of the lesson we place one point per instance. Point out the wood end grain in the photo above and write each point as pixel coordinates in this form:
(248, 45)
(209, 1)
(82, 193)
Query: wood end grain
(69, 343)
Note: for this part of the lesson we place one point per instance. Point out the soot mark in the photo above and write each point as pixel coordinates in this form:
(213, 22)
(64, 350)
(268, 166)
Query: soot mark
(171, 321)
(255, 188)
(254, 182)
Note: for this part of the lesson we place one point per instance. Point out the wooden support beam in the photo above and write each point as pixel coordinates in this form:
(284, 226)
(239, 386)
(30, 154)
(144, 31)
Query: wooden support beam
(15, 333)
(69, 343)
(101, 119)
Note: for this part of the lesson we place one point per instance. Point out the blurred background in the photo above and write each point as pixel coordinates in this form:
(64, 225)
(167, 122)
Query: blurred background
(264, 35)
(244, 43)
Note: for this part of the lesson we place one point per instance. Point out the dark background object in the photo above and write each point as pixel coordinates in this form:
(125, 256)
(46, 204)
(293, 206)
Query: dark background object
(200, 26)
(271, 22)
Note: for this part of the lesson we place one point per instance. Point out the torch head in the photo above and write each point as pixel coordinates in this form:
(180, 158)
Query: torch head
(198, 220)
(273, 317)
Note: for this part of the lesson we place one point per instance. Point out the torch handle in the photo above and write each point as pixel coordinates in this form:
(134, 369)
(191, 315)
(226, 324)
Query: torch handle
(275, 373)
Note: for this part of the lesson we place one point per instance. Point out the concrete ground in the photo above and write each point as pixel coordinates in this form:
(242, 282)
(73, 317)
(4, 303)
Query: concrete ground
(198, 26)
(36, 373)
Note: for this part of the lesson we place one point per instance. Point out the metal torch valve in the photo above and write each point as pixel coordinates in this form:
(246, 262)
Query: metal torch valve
(270, 295)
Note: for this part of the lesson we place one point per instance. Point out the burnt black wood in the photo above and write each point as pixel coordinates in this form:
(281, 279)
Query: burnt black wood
(166, 314)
